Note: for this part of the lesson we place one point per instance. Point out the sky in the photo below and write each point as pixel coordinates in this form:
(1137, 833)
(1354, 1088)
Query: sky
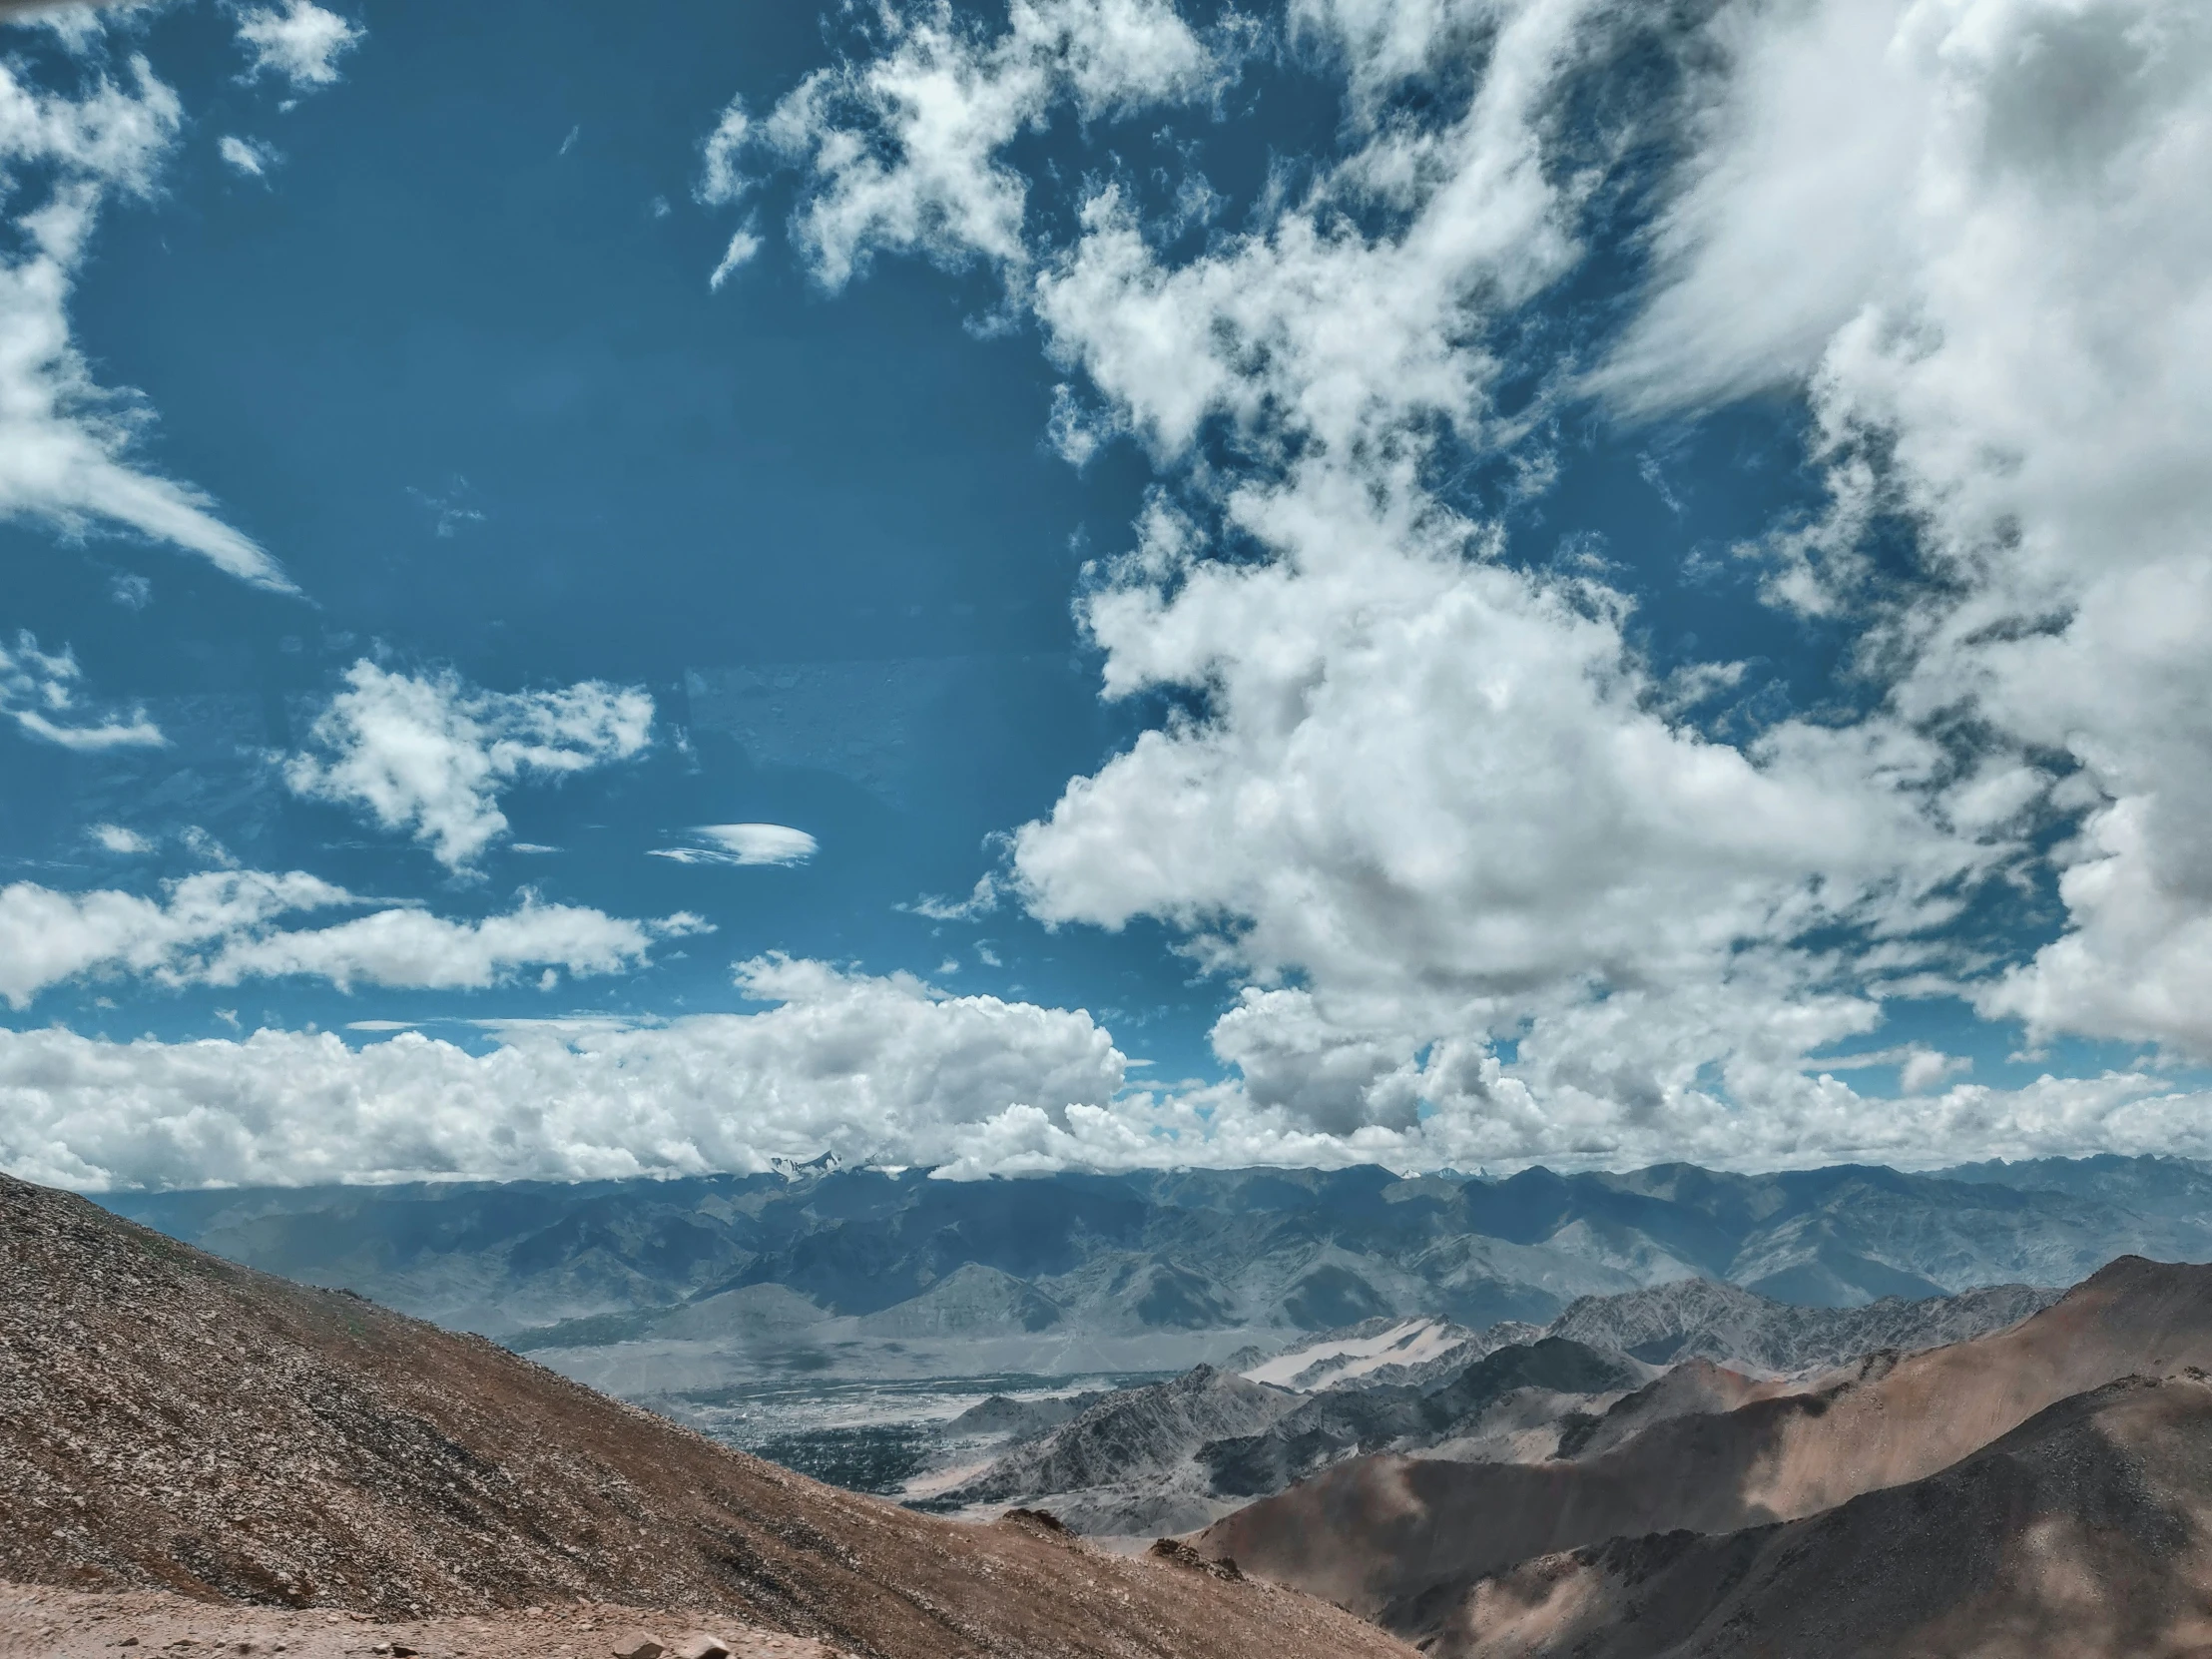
(598, 591)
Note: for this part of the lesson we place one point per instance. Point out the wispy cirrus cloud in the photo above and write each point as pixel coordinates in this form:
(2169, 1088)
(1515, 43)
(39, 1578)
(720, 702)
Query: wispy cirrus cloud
(65, 440)
(39, 691)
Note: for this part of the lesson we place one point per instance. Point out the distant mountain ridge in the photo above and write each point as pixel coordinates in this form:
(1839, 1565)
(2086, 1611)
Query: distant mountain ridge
(1187, 1251)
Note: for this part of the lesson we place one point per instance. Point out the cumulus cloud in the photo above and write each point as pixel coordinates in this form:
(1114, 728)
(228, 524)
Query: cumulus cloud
(222, 927)
(869, 1065)
(1423, 796)
(301, 42)
(65, 440)
(1998, 288)
(1441, 789)
(743, 843)
(38, 691)
(903, 149)
(430, 755)
(891, 1071)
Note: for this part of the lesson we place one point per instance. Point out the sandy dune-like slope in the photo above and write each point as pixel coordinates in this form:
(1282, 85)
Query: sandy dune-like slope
(2082, 1533)
(1380, 1534)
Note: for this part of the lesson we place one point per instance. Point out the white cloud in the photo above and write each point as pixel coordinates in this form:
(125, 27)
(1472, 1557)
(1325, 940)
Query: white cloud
(430, 755)
(1975, 231)
(742, 246)
(983, 899)
(865, 1064)
(1441, 789)
(65, 440)
(114, 837)
(889, 1070)
(1441, 792)
(223, 928)
(248, 156)
(743, 843)
(904, 149)
(303, 42)
(38, 691)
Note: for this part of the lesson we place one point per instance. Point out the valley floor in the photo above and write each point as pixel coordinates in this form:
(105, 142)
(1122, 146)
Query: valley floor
(38, 1623)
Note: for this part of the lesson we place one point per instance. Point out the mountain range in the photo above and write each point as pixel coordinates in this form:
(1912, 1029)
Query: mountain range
(1686, 1467)
(1063, 1260)
(1176, 1455)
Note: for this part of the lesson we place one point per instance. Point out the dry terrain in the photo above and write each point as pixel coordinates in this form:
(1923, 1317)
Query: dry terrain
(40, 1623)
(1389, 1537)
(2085, 1531)
(173, 1422)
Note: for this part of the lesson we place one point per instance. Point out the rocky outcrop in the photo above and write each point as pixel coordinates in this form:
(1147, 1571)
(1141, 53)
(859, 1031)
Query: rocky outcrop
(1132, 1435)
(1344, 1422)
(1705, 1319)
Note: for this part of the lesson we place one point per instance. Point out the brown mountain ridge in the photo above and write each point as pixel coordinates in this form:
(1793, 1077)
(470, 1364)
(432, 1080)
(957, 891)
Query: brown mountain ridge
(170, 1420)
(2081, 1532)
(1400, 1540)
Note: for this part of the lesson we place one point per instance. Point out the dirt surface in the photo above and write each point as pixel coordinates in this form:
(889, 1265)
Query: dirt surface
(2081, 1534)
(169, 1421)
(1380, 1536)
(38, 1623)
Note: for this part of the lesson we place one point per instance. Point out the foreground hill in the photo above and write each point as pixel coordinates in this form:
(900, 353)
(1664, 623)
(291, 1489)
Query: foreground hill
(1387, 1537)
(2086, 1530)
(172, 1420)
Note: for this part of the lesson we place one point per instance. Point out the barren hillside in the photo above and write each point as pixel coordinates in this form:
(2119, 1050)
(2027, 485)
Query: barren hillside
(172, 1420)
(2083, 1531)
(1379, 1534)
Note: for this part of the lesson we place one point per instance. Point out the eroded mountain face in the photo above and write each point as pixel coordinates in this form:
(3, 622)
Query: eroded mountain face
(1686, 1467)
(1472, 1558)
(1175, 1455)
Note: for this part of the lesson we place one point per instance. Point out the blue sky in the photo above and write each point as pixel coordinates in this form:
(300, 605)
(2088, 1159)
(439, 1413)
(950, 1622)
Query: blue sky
(1456, 582)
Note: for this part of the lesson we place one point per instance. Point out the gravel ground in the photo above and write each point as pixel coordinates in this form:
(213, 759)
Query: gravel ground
(37, 1623)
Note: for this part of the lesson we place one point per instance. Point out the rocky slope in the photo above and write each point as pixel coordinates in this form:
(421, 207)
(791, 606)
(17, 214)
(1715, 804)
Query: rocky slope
(1144, 1458)
(41, 1623)
(171, 1420)
(1343, 1423)
(1699, 1319)
(1381, 1535)
(1133, 1434)
(2086, 1530)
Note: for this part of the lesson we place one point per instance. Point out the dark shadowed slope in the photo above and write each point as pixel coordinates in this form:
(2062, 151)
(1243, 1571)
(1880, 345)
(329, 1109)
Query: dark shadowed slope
(1379, 1533)
(2085, 1531)
(171, 1420)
